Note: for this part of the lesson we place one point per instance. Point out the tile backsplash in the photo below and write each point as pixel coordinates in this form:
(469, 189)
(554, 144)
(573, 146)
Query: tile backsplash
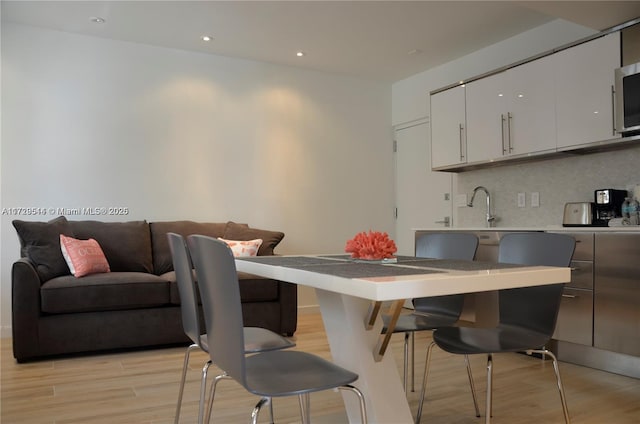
(559, 180)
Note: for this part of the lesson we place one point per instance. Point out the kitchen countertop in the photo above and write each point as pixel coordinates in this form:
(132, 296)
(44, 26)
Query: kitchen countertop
(552, 228)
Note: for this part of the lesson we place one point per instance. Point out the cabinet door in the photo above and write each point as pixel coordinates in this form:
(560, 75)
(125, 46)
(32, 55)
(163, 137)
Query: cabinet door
(616, 320)
(531, 116)
(584, 80)
(575, 317)
(486, 118)
(448, 144)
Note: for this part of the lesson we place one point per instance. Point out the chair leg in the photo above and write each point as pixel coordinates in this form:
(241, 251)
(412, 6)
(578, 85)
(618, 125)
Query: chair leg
(413, 361)
(405, 366)
(271, 411)
(424, 381)
(472, 385)
(185, 367)
(203, 391)
(305, 408)
(214, 384)
(363, 407)
(488, 412)
(556, 369)
(256, 410)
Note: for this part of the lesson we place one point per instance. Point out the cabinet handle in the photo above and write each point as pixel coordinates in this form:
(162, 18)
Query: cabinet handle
(462, 152)
(613, 109)
(446, 221)
(570, 296)
(502, 119)
(509, 118)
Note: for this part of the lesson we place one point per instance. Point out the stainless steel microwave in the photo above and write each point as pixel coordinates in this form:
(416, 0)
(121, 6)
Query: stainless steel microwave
(627, 93)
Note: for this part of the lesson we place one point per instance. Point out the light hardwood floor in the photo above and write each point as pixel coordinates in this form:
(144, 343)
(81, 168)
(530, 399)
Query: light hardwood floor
(141, 387)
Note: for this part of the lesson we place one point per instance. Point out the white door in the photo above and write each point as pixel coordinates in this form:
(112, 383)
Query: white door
(422, 196)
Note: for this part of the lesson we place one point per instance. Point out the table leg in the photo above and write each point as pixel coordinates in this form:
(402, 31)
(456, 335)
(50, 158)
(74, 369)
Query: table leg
(352, 347)
(385, 338)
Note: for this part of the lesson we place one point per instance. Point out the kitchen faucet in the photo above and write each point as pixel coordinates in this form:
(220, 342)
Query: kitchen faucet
(490, 218)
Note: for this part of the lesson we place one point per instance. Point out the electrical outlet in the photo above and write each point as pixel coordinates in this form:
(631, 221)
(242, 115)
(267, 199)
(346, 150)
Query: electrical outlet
(522, 200)
(535, 199)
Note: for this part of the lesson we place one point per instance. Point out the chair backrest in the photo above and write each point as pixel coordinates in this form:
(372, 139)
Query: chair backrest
(534, 308)
(220, 294)
(458, 246)
(461, 246)
(186, 286)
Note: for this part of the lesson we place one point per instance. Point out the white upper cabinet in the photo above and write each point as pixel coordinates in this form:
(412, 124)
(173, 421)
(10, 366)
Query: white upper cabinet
(448, 128)
(532, 107)
(584, 91)
(512, 113)
(561, 101)
(486, 118)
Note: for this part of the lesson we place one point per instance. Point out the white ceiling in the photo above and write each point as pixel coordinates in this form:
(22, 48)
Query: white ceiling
(368, 39)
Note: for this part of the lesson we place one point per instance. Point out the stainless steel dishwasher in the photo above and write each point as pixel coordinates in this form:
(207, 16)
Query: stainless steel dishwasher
(616, 322)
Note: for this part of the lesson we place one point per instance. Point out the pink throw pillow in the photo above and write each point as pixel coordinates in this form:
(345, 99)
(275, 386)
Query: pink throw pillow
(243, 248)
(83, 257)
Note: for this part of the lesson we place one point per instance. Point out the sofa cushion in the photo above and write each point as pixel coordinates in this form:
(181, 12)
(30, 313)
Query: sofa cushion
(270, 239)
(127, 245)
(103, 292)
(162, 261)
(257, 289)
(252, 288)
(40, 243)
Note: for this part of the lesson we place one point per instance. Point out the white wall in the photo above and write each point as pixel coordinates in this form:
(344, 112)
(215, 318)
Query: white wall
(180, 135)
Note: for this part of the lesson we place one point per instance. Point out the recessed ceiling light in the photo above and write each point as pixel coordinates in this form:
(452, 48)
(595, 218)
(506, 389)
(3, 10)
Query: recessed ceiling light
(207, 38)
(300, 54)
(97, 20)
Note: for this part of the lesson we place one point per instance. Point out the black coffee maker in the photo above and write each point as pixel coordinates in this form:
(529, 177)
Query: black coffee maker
(608, 205)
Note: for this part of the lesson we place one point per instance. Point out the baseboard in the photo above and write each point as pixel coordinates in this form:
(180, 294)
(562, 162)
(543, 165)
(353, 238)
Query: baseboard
(5, 332)
(308, 309)
(597, 358)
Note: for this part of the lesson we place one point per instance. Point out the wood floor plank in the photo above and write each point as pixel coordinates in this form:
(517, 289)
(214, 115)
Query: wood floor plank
(141, 388)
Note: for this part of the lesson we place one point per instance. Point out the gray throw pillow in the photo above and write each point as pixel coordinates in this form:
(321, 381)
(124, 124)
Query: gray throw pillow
(40, 243)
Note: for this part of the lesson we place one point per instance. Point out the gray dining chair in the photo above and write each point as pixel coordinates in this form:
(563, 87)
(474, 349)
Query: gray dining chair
(266, 374)
(256, 339)
(527, 315)
(433, 312)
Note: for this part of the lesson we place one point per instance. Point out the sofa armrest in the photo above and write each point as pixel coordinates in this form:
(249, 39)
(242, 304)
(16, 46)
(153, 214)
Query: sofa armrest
(288, 307)
(25, 309)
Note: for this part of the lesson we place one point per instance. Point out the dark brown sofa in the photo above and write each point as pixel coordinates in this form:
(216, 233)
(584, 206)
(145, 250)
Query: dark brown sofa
(137, 303)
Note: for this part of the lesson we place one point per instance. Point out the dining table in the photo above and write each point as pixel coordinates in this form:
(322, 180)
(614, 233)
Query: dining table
(352, 294)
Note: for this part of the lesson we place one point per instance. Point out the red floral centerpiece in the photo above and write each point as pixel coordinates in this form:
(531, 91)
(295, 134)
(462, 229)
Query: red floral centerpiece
(373, 245)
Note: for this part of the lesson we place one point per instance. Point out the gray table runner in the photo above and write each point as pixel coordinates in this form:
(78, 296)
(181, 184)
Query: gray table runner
(343, 266)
